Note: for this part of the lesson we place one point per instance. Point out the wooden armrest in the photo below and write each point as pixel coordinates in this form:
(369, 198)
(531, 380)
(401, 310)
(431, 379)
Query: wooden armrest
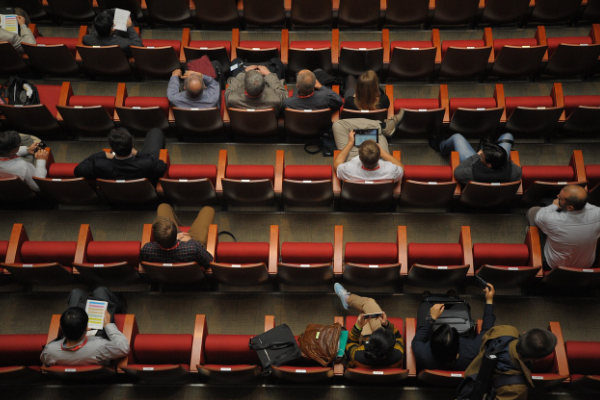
(120, 99)
(273, 249)
(185, 41)
(532, 240)
(411, 331)
(431, 5)
(338, 368)
(235, 38)
(558, 99)
(85, 236)
(338, 250)
(398, 184)
(213, 239)
(467, 247)
(445, 102)
(337, 184)
(269, 322)
(454, 163)
(164, 156)
(200, 330)
(285, 45)
(500, 99)
(435, 39)
(129, 327)
(559, 350)
(488, 40)
(287, 5)
(279, 166)
(389, 91)
(540, 35)
(18, 236)
(335, 47)
(50, 159)
(147, 235)
(514, 157)
(479, 325)
(54, 329)
(578, 165)
(66, 92)
(34, 30)
(401, 242)
(221, 167)
(385, 43)
(595, 33)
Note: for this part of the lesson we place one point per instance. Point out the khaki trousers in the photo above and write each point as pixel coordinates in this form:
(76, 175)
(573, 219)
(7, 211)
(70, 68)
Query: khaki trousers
(199, 228)
(366, 305)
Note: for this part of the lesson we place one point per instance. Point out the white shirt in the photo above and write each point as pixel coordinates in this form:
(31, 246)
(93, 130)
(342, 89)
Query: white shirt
(571, 235)
(23, 169)
(353, 170)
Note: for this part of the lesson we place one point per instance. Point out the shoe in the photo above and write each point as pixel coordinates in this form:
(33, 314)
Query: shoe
(434, 143)
(391, 124)
(342, 294)
(452, 293)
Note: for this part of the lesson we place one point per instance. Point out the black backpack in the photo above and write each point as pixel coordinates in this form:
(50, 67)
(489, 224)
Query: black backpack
(276, 346)
(21, 92)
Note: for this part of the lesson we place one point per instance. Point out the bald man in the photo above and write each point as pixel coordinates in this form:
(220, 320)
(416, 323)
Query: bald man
(311, 95)
(571, 227)
(199, 91)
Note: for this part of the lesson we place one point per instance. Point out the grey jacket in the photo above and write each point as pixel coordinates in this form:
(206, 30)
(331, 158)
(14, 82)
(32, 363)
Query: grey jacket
(273, 95)
(25, 36)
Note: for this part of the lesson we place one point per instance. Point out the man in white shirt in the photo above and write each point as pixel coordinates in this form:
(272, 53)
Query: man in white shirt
(12, 161)
(372, 163)
(571, 227)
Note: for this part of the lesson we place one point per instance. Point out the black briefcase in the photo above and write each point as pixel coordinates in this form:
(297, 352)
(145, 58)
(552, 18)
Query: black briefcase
(457, 314)
(276, 346)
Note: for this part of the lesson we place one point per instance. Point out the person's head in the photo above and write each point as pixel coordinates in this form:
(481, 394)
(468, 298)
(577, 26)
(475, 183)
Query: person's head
(369, 154)
(121, 142)
(103, 23)
(73, 323)
(367, 91)
(572, 198)
(444, 344)
(254, 83)
(305, 82)
(165, 232)
(193, 86)
(10, 141)
(493, 155)
(380, 344)
(536, 343)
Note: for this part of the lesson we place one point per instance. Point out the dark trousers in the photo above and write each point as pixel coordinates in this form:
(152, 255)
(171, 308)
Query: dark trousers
(154, 142)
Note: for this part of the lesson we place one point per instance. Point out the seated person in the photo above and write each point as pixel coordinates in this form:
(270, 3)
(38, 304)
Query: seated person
(365, 94)
(199, 91)
(78, 347)
(104, 33)
(256, 88)
(24, 35)
(367, 166)
(125, 162)
(309, 94)
(14, 150)
(444, 348)
(173, 246)
(372, 342)
(490, 164)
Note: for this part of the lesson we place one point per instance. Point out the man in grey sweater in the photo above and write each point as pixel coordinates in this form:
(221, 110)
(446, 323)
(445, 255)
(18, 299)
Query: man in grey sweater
(256, 88)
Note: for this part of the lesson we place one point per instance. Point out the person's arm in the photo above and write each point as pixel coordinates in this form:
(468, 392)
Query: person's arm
(25, 32)
(234, 84)
(278, 87)
(212, 90)
(117, 345)
(546, 216)
(87, 168)
(41, 157)
(334, 100)
(352, 346)
(341, 158)
(388, 157)
(173, 88)
(136, 40)
(489, 319)
(203, 257)
(159, 167)
(516, 173)
(464, 172)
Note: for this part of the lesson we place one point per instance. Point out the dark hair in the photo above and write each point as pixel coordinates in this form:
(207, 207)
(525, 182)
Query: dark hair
(369, 153)
(121, 142)
(103, 24)
(165, 232)
(73, 323)
(536, 343)
(444, 344)
(495, 155)
(380, 344)
(9, 140)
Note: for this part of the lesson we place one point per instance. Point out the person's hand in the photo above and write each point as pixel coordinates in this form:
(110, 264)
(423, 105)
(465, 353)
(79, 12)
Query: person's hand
(318, 85)
(556, 202)
(21, 20)
(361, 321)
(383, 319)
(177, 72)
(351, 137)
(264, 71)
(133, 152)
(31, 149)
(129, 22)
(183, 236)
(106, 318)
(489, 294)
(436, 311)
(250, 68)
(41, 155)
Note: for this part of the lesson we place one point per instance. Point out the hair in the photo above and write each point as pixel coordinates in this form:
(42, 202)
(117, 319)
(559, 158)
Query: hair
(536, 343)
(190, 80)
(254, 83)
(380, 344)
(305, 82)
(120, 141)
(73, 323)
(575, 196)
(495, 155)
(444, 344)
(369, 153)
(103, 23)
(9, 140)
(367, 91)
(165, 232)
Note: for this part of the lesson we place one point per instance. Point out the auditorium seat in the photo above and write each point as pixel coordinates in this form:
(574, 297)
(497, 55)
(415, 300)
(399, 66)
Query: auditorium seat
(252, 123)
(127, 193)
(14, 190)
(357, 57)
(422, 117)
(140, 114)
(311, 54)
(158, 58)
(553, 370)
(591, 11)
(359, 13)
(106, 262)
(307, 124)
(472, 116)
(465, 59)
(414, 59)
(510, 265)
(53, 55)
(304, 185)
(311, 14)
(259, 50)
(38, 262)
(104, 61)
(34, 8)
(219, 14)
(454, 12)
(189, 184)
(518, 57)
(173, 13)
(263, 13)
(12, 61)
(552, 11)
(582, 114)
(584, 364)
(576, 278)
(406, 12)
(79, 11)
(592, 172)
(563, 50)
(497, 12)
(200, 123)
(20, 358)
(133, 6)
(217, 50)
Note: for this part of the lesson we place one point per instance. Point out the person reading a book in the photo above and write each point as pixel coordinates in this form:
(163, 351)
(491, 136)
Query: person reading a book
(23, 33)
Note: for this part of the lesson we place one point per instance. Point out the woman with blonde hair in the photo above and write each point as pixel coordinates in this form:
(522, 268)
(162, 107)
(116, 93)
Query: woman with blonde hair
(365, 93)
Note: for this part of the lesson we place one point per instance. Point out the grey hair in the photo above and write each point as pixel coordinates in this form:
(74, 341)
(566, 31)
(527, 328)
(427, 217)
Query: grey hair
(305, 82)
(254, 83)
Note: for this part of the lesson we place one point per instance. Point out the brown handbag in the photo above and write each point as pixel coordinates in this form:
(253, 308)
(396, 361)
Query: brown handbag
(320, 342)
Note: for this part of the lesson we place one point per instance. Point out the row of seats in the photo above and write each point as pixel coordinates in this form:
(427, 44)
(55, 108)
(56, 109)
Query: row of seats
(226, 359)
(398, 59)
(321, 13)
(291, 265)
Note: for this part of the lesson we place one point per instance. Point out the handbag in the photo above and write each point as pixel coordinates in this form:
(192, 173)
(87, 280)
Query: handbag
(320, 342)
(276, 346)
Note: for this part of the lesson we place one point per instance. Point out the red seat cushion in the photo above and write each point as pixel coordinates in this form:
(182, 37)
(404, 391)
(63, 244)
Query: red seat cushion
(306, 253)
(48, 252)
(572, 102)
(261, 44)
(371, 253)
(555, 41)
(546, 173)
(108, 102)
(499, 43)
(308, 172)
(3, 249)
(162, 349)
(211, 44)
(114, 252)
(461, 43)
(416, 104)
(310, 44)
(593, 175)
(21, 350)
(71, 43)
(527, 101)
(49, 96)
(250, 172)
(228, 349)
(427, 173)
(546, 364)
(411, 44)
(242, 252)
(360, 45)
(500, 254)
(62, 170)
(583, 357)
(435, 254)
(398, 323)
(472, 102)
(175, 44)
(185, 171)
(138, 101)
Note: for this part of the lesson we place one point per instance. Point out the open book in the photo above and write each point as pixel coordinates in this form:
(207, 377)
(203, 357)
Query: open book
(9, 23)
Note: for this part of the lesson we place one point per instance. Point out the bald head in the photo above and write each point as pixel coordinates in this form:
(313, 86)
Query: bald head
(193, 86)
(574, 197)
(305, 82)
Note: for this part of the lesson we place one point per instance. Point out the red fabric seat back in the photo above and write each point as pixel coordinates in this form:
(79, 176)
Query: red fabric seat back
(261, 44)
(175, 44)
(108, 102)
(250, 172)
(471, 102)
(547, 173)
(527, 101)
(583, 357)
(398, 323)
(25, 350)
(49, 96)
(427, 173)
(47, 252)
(461, 43)
(371, 253)
(138, 101)
(71, 43)
(554, 42)
(546, 364)
(308, 172)
(62, 170)
(306, 253)
(229, 350)
(211, 44)
(242, 253)
(162, 349)
(500, 254)
(435, 254)
(360, 45)
(572, 102)
(113, 252)
(499, 43)
(310, 44)
(185, 171)
(416, 104)
(3, 249)
(593, 175)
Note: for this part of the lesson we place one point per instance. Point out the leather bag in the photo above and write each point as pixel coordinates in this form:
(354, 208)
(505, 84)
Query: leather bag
(320, 342)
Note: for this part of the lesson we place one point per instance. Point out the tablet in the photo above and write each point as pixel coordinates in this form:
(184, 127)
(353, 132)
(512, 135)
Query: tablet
(360, 135)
